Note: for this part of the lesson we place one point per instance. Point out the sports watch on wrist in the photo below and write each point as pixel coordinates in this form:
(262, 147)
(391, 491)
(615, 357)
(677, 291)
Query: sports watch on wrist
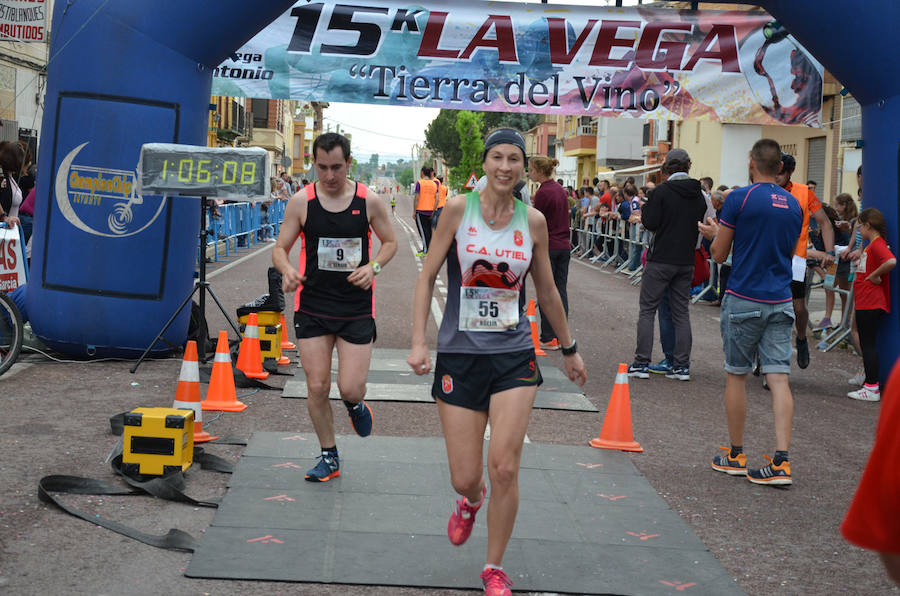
(376, 268)
(568, 351)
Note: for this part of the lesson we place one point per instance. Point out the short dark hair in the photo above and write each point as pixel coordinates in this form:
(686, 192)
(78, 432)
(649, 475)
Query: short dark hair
(789, 164)
(328, 141)
(595, 181)
(808, 182)
(629, 190)
(766, 156)
(427, 170)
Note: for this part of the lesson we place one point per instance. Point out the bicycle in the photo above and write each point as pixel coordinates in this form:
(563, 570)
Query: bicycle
(11, 327)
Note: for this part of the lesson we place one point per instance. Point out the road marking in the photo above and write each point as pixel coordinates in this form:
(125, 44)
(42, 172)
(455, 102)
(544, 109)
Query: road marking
(223, 269)
(436, 311)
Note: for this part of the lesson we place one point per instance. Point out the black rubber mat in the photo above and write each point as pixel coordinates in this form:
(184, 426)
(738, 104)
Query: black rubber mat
(588, 523)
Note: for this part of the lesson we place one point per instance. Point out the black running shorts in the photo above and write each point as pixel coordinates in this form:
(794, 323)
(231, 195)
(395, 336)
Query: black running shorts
(354, 331)
(468, 381)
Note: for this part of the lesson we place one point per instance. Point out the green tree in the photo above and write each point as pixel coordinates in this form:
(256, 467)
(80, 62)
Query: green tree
(518, 120)
(405, 177)
(373, 160)
(469, 126)
(442, 139)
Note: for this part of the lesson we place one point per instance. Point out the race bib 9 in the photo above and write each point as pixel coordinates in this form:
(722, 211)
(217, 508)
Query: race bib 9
(488, 309)
(339, 254)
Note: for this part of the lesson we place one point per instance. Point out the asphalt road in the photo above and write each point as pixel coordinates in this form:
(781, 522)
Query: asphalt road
(54, 420)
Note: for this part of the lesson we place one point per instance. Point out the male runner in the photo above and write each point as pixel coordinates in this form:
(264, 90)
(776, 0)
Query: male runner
(811, 206)
(333, 303)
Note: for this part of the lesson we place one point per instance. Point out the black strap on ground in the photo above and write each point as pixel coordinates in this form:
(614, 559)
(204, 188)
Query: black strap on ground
(174, 539)
(169, 487)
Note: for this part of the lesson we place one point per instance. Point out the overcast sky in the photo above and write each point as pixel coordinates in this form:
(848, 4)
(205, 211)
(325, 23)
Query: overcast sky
(391, 131)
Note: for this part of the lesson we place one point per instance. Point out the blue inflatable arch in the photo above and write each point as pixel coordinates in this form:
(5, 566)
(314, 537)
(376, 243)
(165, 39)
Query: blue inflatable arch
(855, 41)
(110, 266)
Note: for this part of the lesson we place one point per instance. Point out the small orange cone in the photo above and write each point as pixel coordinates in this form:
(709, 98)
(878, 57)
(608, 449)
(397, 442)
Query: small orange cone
(617, 432)
(222, 396)
(531, 313)
(286, 343)
(249, 356)
(187, 395)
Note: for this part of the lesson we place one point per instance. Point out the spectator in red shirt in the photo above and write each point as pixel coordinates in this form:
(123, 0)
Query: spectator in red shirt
(872, 521)
(872, 293)
(550, 199)
(605, 195)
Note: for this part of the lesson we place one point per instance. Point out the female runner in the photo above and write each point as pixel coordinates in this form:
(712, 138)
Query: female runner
(486, 369)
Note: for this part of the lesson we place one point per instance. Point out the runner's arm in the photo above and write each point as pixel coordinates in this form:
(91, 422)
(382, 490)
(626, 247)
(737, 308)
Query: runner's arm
(548, 295)
(419, 359)
(827, 236)
(380, 222)
(294, 218)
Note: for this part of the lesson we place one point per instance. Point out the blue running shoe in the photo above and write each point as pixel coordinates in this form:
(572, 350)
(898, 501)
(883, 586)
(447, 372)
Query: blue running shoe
(663, 368)
(361, 417)
(733, 466)
(779, 475)
(641, 371)
(329, 467)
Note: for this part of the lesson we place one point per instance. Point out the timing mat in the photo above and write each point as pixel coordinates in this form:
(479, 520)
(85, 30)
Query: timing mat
(588, 522)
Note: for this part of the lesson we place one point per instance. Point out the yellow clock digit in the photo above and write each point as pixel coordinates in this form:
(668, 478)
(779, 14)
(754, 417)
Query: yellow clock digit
(229, 177)
(202, 173)
(248, 172)
(190, 170)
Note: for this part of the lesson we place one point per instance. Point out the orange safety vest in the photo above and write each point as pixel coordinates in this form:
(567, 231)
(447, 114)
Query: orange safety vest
(803, 195)
(442, 196)
(428, 190)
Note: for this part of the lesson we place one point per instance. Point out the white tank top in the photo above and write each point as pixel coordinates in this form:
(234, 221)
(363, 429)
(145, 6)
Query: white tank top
(486, 271)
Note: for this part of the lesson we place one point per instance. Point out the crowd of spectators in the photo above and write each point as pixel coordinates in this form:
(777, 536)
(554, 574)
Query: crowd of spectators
(827, 255)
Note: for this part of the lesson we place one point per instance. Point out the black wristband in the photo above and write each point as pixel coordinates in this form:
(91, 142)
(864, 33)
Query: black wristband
(568, 351)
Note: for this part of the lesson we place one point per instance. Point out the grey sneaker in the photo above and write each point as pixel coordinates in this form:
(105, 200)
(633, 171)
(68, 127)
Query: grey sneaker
(680, 373)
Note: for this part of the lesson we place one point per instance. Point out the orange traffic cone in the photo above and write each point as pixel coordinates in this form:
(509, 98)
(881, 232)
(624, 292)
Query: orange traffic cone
(249, 357)
(286, 343)
(221, 396)
(531, 313)
(187, 395)
(617, 432)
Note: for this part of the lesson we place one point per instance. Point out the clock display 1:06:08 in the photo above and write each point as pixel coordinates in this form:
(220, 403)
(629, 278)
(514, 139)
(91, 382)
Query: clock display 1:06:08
(232, 173)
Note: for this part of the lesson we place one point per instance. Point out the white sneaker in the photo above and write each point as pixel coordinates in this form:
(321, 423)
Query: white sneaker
(858, 379)
(865, 394)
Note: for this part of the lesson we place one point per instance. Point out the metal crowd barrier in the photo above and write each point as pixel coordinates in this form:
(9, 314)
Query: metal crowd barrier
(235, 226)
(621, 244)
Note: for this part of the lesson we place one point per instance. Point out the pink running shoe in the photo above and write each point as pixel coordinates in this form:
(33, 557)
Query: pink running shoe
(461, 521)
(495, 582)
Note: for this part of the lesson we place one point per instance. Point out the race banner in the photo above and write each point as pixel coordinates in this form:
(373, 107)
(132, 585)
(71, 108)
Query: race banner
(12, 259)
(23, 20)
(636, 62)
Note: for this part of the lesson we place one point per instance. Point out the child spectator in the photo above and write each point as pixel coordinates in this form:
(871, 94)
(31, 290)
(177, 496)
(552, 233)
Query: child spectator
(840, 215)
(872, 294)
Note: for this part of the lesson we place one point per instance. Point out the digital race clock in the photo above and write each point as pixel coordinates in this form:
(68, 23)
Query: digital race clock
(194, 170)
